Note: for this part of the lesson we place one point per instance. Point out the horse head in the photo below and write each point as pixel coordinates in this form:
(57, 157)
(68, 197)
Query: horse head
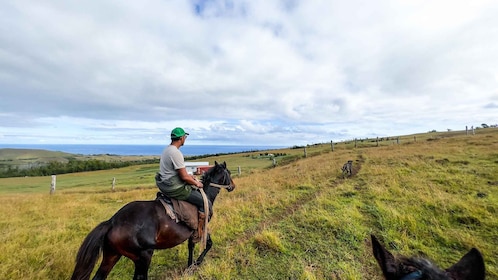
(216, 178)
(470, 266)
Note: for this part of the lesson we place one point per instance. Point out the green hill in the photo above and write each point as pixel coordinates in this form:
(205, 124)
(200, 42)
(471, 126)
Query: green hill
(433, 194)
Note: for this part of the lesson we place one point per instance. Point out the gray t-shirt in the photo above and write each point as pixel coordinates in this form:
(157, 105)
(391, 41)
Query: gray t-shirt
(171, 160)
(169, 182)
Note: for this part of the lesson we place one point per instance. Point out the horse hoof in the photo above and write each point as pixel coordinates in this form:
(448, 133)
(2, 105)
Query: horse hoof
(191, 269)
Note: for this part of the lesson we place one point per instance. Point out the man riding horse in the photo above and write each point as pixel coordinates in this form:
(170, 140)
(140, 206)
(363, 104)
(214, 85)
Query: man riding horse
(173, 179)
(140, 227)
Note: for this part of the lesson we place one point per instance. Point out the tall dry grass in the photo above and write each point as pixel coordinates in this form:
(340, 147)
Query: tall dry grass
(437, 196)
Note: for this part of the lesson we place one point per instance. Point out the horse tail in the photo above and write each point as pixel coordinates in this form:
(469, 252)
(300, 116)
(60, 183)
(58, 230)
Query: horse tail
(90, 251)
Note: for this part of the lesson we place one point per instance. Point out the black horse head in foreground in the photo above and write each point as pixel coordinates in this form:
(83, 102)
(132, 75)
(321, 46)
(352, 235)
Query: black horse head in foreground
(470, 266)
(141, 227)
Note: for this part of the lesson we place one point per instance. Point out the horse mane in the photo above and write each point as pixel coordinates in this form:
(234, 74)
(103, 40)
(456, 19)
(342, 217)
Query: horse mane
(207, 177)
(428, 269)
(209, 173)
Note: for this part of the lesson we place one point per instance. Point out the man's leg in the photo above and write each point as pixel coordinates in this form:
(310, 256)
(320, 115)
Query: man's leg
(195, 198)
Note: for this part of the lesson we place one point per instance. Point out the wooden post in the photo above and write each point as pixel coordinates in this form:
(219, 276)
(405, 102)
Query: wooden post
(239, 171)
(332, 145)
(274, 162)
(377, 141)
(355, 143)
(52, 185)
(466, 130)
(305, 154)
(473, 131)
(415, 138)
(397, 140)
(113, 182)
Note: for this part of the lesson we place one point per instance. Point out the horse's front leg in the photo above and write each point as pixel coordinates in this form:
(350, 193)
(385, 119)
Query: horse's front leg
(209, 244)
(191, 246)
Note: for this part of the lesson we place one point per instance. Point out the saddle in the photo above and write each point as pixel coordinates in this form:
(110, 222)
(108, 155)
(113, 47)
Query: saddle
(182, 211)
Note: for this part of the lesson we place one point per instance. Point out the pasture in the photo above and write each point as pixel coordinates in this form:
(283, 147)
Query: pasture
(436, 194)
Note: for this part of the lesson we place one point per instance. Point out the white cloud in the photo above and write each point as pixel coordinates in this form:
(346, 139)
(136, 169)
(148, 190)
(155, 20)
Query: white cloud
(245, 72)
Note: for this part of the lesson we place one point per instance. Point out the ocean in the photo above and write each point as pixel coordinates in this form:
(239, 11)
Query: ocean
(139, 150)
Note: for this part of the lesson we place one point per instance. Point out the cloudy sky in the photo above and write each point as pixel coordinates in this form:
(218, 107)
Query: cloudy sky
(256, 72)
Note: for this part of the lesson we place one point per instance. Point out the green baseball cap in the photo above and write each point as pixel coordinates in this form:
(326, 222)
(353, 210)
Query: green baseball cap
(178, 132)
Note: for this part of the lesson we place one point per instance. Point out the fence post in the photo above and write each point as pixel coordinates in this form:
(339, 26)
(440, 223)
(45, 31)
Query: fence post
(355, 142)
(52, 185)
(274, 162)
(113, 182)
(332, 145)
(305, 154)
(238, 170)
(377, 141)
(397, 140)
(466, 130)
(415, 138)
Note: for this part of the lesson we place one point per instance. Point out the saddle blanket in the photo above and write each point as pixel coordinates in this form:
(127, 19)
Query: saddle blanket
(180, 210)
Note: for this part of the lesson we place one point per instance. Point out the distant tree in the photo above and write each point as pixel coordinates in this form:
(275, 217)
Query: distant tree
(73, 165)
(484, 125)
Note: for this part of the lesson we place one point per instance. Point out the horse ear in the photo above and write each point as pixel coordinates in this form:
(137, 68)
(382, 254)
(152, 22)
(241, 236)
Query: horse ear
(470, 266)
(384, 258)
(215, 163)
(224, 164)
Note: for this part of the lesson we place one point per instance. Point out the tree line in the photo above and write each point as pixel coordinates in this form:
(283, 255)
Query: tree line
(72, 166)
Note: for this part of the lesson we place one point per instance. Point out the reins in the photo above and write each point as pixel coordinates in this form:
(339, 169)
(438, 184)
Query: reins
(220, 186)
(206, 221)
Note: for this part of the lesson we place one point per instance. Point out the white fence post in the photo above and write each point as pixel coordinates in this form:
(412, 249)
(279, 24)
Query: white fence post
(238, 170)
(52, 185)
(113, 182)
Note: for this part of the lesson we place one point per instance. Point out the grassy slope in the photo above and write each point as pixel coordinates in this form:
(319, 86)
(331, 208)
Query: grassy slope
(24, 158)
(296, 221)
(419, 197)
(27, 154)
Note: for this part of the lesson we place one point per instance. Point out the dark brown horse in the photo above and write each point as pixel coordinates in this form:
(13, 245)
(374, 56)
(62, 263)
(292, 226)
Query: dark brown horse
(470, 266)
(141, 227)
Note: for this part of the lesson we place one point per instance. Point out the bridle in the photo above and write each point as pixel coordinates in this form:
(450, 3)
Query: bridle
(228, 187)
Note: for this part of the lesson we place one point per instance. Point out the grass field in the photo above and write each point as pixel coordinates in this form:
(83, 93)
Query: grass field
(434, 194)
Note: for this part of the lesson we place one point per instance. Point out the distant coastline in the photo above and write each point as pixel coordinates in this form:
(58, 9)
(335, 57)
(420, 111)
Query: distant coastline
(139, 150)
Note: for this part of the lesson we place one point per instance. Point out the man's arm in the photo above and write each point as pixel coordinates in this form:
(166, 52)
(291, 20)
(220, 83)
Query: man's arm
(182, 172)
